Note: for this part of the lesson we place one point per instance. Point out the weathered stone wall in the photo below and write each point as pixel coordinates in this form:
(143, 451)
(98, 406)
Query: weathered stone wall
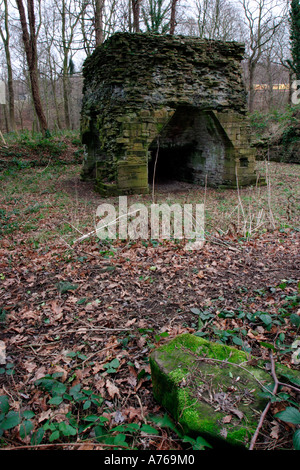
(187, 92)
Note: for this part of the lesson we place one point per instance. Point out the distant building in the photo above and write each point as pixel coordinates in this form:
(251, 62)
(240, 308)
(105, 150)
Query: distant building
(277, 87)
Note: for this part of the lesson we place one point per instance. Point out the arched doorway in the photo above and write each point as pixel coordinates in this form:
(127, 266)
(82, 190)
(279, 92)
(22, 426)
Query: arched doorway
(191, 147)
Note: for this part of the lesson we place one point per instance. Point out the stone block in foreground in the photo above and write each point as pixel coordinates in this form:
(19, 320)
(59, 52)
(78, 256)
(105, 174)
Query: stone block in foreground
(210, 389)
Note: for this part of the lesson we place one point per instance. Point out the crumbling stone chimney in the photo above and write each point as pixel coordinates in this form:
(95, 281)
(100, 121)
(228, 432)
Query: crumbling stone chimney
(179, 98)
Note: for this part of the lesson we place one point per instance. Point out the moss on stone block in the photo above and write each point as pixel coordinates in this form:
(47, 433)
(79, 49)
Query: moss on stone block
(210, 389)
(106, 189)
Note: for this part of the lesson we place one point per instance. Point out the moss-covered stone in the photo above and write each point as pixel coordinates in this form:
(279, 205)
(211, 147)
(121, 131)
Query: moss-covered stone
(141, 87)
(209, 388)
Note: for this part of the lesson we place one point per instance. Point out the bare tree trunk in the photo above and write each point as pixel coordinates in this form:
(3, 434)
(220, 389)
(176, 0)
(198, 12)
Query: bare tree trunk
(65, 74)
(29, 40)
(6, 42)
(51, 66)
(290, 86)
(136, 14)
(270, 99)
(262, 28)
(5, 117)
(99, 8)
(251, 69)
(66, 91)
(11, 95)
(173, 16)
(69, 21)
(53, 87)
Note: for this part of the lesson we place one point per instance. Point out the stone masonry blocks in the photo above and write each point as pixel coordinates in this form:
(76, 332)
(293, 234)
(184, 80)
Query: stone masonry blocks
(181, 94)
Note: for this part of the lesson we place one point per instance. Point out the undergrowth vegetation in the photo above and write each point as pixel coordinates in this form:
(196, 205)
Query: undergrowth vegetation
(272, 123)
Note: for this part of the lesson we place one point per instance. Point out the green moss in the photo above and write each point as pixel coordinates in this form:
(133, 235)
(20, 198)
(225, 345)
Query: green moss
(203, 347)
(196, 419)
(191, 387)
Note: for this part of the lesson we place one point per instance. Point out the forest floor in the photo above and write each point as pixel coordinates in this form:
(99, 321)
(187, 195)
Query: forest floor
(87, 313)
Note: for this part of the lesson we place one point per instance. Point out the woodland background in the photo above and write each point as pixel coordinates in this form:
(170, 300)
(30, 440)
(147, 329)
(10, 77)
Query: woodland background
(44, 44)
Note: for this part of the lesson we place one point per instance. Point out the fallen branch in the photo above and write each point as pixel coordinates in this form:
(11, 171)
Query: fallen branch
(296, 389)
(264, 413)
(63, 444)
(213, 359)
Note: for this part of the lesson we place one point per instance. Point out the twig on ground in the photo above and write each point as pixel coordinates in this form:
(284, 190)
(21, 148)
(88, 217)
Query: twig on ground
(208, 359)
(141, 406)
(65, 444)
(264, 413)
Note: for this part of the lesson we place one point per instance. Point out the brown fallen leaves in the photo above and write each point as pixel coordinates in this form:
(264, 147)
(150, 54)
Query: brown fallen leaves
(123, 313)
(123, 300)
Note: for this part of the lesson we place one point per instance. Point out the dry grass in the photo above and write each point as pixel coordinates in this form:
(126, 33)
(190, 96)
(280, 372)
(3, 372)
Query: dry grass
(51, 204)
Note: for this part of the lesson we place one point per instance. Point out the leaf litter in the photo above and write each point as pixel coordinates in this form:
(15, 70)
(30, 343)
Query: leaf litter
(94, 311)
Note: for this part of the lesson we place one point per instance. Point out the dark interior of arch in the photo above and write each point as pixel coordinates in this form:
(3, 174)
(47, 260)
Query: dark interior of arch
(192, 146)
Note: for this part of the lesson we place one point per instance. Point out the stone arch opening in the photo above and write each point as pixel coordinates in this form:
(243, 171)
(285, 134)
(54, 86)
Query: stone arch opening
(191, 147)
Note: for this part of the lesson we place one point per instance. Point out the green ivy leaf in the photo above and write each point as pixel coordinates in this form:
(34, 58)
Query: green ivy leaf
(55, 400)
(11, 420)
(37, 437)
(100, 433)
(66, 429)
(289, 415)
(196, 311)
(197, 444)
(120, 440)
(76, 393)
(65, 286)
(87, 404)
(296, 440)
(165, 422)
(28, 414)
(4, 404)
(54, 436)
(112, 366)
(25, 428)
(267, 345)
(91, 418)
(128, 428)
(149, 429)
(238, 341)
(295, 319)
(266, 319)
(291, 378)
(58, 388)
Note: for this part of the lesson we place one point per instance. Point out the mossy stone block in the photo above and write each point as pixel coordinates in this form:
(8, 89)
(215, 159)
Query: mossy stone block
(210, 389)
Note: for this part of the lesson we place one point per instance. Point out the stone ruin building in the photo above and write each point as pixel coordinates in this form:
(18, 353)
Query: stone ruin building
(179, 99)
